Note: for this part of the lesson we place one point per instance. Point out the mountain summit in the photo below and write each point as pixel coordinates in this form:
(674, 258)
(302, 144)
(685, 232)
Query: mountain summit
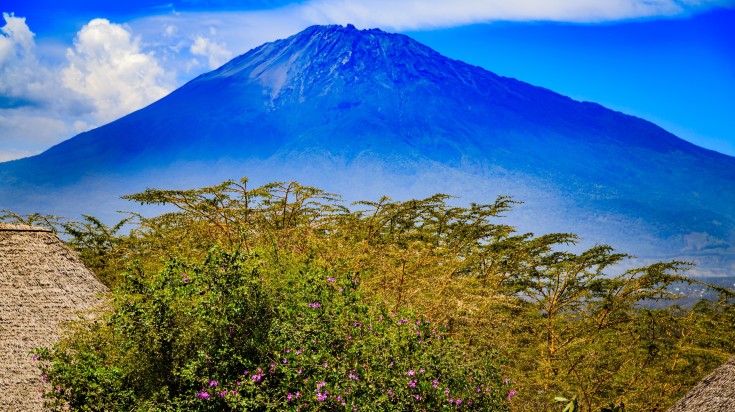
(367, 113)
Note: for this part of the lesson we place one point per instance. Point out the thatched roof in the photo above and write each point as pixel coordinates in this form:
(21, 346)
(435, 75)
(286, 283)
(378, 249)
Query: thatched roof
(42, 285)
(714, 393)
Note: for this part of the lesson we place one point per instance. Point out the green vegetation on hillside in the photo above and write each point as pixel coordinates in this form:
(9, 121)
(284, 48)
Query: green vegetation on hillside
(282, 297)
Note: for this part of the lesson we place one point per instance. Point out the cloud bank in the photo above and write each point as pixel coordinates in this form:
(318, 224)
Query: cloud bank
(425, 14)
(28, 120)
(245, 30)
(106, 76)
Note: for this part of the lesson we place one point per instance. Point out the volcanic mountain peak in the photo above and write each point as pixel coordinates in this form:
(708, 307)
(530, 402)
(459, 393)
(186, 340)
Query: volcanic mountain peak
(319, 56)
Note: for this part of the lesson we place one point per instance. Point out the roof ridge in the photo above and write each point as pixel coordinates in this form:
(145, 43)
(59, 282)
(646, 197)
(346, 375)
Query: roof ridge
(7, 227)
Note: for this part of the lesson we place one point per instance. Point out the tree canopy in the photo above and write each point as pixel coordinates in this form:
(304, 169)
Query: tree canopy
(385, 305)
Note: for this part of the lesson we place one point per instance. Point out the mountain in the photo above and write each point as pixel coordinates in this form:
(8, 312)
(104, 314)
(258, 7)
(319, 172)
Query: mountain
(366, 113)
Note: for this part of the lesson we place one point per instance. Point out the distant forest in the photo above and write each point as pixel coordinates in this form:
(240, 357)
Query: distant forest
(283, 297)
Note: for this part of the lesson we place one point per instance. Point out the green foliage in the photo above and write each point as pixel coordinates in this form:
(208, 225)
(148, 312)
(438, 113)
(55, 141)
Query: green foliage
(50, 222)
(223, 285)
(224, 334)
(613, 408)
(571, 406)
(100, 246)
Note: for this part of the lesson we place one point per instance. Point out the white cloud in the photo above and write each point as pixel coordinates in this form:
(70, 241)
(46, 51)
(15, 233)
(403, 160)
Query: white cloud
(17, 31)
(33, 104)
(106, 75)
(245, 30)
(439, 13)
(423, 14)
(20, 80)
(216, 53)
(107, 66)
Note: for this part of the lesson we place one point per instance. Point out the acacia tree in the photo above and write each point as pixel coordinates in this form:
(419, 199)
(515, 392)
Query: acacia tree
(101, 247)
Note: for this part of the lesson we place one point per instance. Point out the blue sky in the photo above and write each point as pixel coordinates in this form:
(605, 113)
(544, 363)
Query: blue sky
(66, 67)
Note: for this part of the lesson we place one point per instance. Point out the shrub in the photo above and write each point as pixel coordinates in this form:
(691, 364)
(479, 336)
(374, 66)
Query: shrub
(238, 332)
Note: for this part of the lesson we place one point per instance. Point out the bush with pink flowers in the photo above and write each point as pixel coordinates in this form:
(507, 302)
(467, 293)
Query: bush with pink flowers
(238, 332)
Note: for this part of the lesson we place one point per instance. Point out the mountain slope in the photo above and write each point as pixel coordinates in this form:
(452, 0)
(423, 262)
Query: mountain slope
(367, 113)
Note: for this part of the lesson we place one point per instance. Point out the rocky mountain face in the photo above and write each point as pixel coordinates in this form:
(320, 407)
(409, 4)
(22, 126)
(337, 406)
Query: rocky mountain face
(367, 113)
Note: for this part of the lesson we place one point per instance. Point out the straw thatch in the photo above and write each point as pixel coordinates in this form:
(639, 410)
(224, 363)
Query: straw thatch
(42, 285)
(714, 393)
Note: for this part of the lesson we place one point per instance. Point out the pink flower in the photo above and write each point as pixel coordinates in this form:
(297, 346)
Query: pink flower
(203, 395)
(258, 376)
(511, 394)
(331, 280)
(212, 383)
(411, 372)
(315, 305)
